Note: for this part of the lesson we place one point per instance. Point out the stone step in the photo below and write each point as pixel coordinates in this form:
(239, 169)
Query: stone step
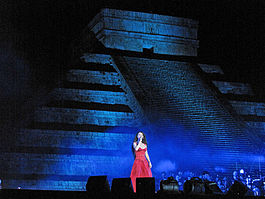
(89, 86)
(48, 177)
(93, 77)
(69, 127)
(80, 95)
(253, 118)
(248, 98)
(106, 67)
(215, 77)
(248, 108)
(257, 125)
(60, 150)
(211, 69)
(90, 106)
(50, 184)
(109, 140)
(81, 116)
(60, 164)
(96, 58)
(221, 77)
(236, 88)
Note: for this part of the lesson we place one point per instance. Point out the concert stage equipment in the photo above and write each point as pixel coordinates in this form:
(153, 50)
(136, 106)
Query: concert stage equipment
(198, 186)
(212, 188)
(237, 189)
(98, 186)
(121, 188)
(194, 185)
(41, 194)
(170, 185)
(145, 188)
(47, 194)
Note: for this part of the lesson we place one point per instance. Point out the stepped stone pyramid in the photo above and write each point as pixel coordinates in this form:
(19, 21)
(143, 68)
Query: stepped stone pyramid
(240, 96)
(143, 77)
(79, 130)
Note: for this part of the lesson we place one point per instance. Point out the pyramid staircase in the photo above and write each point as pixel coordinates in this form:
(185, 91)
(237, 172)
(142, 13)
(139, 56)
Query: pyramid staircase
(97, 108)
(242, 101)
(213, 133)
(241, 97)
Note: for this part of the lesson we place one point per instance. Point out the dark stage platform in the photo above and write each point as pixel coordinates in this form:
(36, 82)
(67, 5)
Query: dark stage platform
(46, 194)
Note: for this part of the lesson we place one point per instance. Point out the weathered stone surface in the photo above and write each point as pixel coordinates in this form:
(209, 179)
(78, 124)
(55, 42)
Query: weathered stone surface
(54, 164)
(130, 96)
(72, 139)
(211, 68)
(126, 30)
(44, 184)
(96, 58)
(93, 77)
(174, 90)
(131, 101)
(170, 94)
(80, 95)
(249, 108)
(236, 88)
(260, 126)
(82, 116)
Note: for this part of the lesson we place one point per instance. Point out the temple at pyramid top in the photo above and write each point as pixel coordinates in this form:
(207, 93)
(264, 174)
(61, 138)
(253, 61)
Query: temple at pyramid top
(137, 31)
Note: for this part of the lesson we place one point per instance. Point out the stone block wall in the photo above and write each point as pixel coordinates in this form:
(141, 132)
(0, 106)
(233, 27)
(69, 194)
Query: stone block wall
(88, 126)
(134, 31)
(174, 91)
(242, 99)
(248, 108)
(233, 88)
(86, 129)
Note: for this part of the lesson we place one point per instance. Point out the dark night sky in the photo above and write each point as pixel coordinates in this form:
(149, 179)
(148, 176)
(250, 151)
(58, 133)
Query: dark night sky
(35, 36)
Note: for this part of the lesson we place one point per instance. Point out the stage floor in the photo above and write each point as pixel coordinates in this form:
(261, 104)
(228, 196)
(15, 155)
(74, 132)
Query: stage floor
(43, 194)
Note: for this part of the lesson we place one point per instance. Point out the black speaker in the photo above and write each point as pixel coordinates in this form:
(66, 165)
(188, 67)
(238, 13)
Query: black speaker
(237, 189)
(212, 188)
(145, 187)
(121, 188)
(170, 185)
(194, 186)
(98, 186)
(198, 186)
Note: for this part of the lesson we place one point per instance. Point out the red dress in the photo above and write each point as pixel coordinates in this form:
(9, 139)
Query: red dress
(140, 168)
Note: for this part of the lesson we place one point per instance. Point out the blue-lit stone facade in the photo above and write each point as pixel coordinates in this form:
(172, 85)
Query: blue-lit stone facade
(233, 88)
(135, 31)
(92, 116)
(81, 132)
(179, 97)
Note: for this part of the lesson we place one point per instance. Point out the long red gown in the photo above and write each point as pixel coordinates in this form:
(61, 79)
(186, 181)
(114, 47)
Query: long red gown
(140, 168)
